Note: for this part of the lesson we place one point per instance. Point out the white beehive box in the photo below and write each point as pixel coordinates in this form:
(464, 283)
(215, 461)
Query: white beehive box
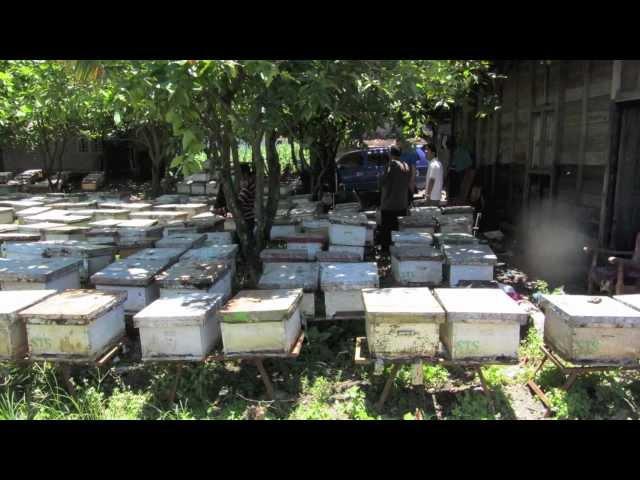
(107, 223)
(132, 207)
(39, 228)
(191, 208)
(310, 243)
(411, 239)
(402, 321)
(30, 212)
(348, 234)
(66, 233)
(433, 212)
(181, 328)
(207, 222)
(39, 274)
(359, 251)
(224, 253)
(319, 226)
(342, 283)
(58, 216)
(261, 321)
(74, 325)
(136, 277)
(163, 218)
(183, 187)
(448, 239)
(8, 228)
(417, 223)
(220, 238)
(456, 223)
(469, 262)
(191, 276)
(111, 214)
(183, 240)
(583, 328)
(13, 332)
(102, 236)
(7, 215)
(333, 256)
(170, 255)
(481, 323)
(278, 276)
(18, 205)
(178, 228)
(17, 237)
(417, 264)
(280, 255)
(93, 257)
(283, 227)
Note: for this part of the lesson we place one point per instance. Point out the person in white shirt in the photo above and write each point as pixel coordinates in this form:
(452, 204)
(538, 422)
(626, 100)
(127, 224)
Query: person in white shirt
(434, 174)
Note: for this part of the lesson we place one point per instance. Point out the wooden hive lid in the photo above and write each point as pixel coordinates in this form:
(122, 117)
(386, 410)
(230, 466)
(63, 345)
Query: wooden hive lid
(347, 218)
(470, 255)
(479, 305)
(78, 307)
(19, 237)
(348, 276)
(130, 272)
(402, 304)
(418, 252)
(222, 252)
(61, 248)
(36, 270)
(107, 223)
(191, 309)
(285, 255)
(12, 302)
(192, 273)
(68, 229)
(591, 311)
(418, 238)
(261, 306)
(137, 224)
(455, 239)
(277, 276)
(170, 254)
(178, 240)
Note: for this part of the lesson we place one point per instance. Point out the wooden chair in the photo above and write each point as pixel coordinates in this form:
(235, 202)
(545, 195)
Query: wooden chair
(624, 273)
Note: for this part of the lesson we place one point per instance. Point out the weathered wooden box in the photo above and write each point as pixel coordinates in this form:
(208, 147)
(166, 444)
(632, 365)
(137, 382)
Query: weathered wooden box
(7, 215)
(261, 321)
(13, 332)
(481, 323)
(469, 262)
(74, 205)
(191, 276)
(180, 328)
(285, 255)
(93, 257)
(402, 321)
(359, 251)
(58, 216)
(278, 276)
(182, 240)
(341, 284)
(39, 274)
(74, 325)
(583, 328)
(224, 253)
(417, 264)
(136, 277)
(103, 236)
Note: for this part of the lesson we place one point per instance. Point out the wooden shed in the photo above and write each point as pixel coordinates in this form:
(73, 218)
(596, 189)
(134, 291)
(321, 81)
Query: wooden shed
(562, 153)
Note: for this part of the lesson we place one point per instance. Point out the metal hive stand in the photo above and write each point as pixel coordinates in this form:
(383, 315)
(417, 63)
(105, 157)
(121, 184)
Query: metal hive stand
(396, 362)
(256, 358)
(570, 373)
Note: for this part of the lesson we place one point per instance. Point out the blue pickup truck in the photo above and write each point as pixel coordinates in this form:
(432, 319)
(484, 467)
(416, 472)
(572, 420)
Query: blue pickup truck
(361, 169)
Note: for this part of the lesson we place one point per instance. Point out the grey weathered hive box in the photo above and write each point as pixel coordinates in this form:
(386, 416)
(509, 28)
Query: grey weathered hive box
(189, 276)
(352, 229)
(134, 276)
(402, 321)
(184, 327)
(350, 249)
(74, 325)
(13, 332)
(469, 262)
(417, 264)
(170, 255)
(442, 239)
(225, 253)
(93, 257)
(583, 328)
(309, 242)
(406, 239)
(481, 323)
(261, 321)
(66, 233)
(417, 223)
(277, 276)
(456, 223)
(182, 240)
(270, 255)
(30, 212)
(39, 274)
(341, 284)
(283, 226)
(318, 226)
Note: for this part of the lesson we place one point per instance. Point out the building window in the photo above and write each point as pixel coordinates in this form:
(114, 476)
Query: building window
(83, 145)
(96, 146)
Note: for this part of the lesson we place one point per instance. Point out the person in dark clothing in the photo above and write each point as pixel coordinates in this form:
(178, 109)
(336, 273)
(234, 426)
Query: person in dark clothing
(394, 200)
(220, 207)
(247, 196)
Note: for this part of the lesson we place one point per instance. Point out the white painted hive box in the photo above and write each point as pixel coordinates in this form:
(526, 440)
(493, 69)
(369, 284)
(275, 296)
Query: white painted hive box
(13, 332)
(224, 253)
(342, 283)
(191, 276)
(180, 328)
(402, 321)
(39, 274)
(261, 321)
(359, 251)
(350, 229)
(182, 240)
(411, 239)
(469, 262)
(584, 328)
(481, 323)
(417, 264)
(278, 276)
(171, 255)
(74, 325)
(93, 257)
(285, 255)
(66, 233)
(311, 243)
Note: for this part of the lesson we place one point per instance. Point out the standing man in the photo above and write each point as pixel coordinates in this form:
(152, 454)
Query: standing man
(395, 196)
(434, 175)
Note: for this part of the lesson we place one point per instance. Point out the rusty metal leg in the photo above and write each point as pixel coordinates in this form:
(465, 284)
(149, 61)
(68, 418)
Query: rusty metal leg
(573, 376)
(65, 371)
(540, 394)
(485, 389)
(265, 379)
(387, 386)
(176, 380)
(539, 367)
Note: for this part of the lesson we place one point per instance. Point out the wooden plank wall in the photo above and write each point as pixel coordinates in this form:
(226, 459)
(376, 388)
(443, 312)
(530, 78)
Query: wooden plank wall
(582, 89)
